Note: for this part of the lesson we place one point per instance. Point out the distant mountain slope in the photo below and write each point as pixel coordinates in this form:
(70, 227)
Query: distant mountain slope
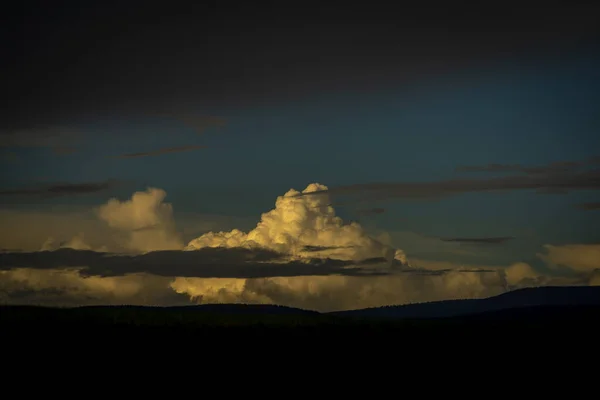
(521, 298)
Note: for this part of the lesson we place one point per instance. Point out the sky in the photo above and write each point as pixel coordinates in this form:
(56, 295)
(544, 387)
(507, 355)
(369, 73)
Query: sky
(319, 157)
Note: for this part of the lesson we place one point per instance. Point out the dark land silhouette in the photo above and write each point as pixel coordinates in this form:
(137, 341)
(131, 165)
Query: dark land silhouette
(526, 312)
(512, 301)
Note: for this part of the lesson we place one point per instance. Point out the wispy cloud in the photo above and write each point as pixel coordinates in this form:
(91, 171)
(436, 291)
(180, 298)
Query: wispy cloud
(199, 123)
(554, 167)
(314, 249)
(542, 183)
(64, 150)
(589, 206)
(164, 150)
(51, 137)
(482, 240)
(65, 189)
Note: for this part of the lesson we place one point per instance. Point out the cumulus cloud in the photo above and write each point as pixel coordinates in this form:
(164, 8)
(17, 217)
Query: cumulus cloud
(300, 223)
(516, 275)
(67, 286)
(322, 293)
(595, 278)
(520, 273)
(329, 293)
(578, 257)
(147, 222)
(141, 224)
(77, 242)
(300, 254)
(28, 227)
(318, 292)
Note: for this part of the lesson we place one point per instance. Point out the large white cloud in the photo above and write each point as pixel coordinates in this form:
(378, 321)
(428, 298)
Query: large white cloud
(297, 223)
(70, 287)
(147, 221)
(301, 227)
(322, 293)
(141, 224)
(329, 293)
(578, 257)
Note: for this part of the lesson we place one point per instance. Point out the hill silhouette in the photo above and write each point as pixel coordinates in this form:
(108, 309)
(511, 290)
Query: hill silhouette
(531, 311)
(550, 296)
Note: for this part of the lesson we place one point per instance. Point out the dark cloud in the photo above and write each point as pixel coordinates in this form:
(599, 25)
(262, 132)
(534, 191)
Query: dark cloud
(164, 150)
(554, 167)
(548, 183)
(439, 272)
(62, 139)
(207, 263)
(324, 248)
(66, 189)
(483, 240)
(72, 60)
(203, 263)
(589, 206)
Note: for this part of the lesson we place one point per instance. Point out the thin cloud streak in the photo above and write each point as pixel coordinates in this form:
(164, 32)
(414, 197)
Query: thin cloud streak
(63, 150)
(40, 136)
(165, 150)
(486, 240)
(66, 189)
(198, 123)
(310, 249)
(544, 184)
(589, 206)
(201, 124)
(554, 167)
